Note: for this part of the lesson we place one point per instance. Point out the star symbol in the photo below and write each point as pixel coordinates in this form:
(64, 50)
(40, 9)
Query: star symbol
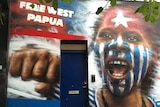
(121, 20)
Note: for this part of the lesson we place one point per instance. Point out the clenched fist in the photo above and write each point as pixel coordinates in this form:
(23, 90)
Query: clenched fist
(35, 63)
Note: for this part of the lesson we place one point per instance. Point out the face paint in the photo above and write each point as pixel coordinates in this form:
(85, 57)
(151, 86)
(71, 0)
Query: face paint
(125, 65)
(124, 56)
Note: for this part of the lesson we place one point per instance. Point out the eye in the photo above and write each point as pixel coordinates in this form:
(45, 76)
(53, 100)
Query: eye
(132, 37)
(106, 35)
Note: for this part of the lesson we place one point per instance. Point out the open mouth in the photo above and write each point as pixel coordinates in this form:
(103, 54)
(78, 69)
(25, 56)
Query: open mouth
(118, 68)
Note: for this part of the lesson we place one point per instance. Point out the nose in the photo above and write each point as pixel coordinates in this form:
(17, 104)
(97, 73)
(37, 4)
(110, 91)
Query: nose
(119, 48)
(119, 45)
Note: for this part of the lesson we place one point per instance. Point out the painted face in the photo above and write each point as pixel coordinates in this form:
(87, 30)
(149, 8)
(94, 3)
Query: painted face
(124, 52)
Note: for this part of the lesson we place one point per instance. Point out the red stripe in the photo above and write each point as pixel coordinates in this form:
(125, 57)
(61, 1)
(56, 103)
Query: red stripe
(30, 32)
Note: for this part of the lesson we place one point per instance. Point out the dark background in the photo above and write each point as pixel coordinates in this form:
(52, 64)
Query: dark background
(4, 25)
(3, 50)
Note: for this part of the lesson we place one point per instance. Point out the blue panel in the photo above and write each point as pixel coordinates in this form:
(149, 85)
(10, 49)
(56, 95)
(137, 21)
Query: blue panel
(74, 78)
(32, 103)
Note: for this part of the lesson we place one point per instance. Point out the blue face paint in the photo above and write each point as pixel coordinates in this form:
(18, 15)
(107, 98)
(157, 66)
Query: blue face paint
(119, 55)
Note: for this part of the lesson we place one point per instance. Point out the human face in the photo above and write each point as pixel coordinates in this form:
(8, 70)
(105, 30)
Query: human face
(126, 56)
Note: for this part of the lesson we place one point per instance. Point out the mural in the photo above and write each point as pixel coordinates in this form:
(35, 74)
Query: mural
(123, 52)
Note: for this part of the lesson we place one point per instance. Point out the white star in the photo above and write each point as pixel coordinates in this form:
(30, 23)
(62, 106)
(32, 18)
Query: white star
(121, 20)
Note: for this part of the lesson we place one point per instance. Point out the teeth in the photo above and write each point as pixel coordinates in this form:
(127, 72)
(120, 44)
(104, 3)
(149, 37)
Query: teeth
(117, 74)
(111, 62)
(118, 62)
(124, 63)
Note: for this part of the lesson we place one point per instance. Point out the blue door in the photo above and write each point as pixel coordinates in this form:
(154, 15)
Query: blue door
(73, 74)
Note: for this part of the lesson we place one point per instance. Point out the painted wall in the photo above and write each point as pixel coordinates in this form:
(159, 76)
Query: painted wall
(120, 48)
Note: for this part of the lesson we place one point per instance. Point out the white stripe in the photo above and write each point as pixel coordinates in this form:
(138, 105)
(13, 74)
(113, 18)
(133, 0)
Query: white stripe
(153, 102)
(132, 79)
(96, 100)
(57, 95)
(101, 49)
(101, 52)
(141, 50)
(24, 94)
(132, 72)
(119, 40)
(112, 41)
(57, 88)
(132, 48)
(148, 58)
(110, 51)
(110, 86)
(91, 93)
(91, 98)
(91, 104)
